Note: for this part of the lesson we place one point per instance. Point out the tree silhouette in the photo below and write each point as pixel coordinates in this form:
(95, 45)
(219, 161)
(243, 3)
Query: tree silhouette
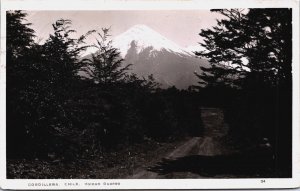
(19, 34)
(105, 66)
(271, 39)
(62, 52)
(39, 81)
(20, 40)
(248, 44)
(251, 50)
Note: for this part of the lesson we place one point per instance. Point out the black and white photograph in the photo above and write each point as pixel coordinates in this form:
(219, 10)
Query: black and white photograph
(149, 94)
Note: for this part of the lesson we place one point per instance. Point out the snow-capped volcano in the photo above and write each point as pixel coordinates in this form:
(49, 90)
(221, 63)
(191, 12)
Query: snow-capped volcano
(149, 52)
(142, 36)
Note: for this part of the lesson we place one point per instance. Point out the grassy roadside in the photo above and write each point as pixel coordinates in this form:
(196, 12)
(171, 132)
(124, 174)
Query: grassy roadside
(114, 164)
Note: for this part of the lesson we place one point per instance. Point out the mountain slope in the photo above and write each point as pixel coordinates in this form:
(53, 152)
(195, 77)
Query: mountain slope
(151, 53)
(144, 37)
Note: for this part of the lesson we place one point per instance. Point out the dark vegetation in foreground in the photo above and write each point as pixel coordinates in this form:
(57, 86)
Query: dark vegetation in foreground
(53, 114)
(59, 117)
(246, 164)
(119, 163)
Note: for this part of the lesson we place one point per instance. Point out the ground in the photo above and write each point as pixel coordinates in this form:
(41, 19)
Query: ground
(188, 157)
(210, 144)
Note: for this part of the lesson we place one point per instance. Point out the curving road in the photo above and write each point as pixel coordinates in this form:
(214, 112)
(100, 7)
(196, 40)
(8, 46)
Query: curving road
(207, 145)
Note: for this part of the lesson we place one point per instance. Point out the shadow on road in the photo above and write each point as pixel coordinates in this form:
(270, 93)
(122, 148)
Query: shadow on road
(242, 165)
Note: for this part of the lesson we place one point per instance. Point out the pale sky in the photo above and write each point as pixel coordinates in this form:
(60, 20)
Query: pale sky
(182, 27)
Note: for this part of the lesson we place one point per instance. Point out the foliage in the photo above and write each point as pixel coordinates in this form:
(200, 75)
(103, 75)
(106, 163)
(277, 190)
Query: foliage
(105, 65)
(20, 36)
(61, 115)
(20, 39)
(253, 46)
(38, 79)
(250, 52)
(224, 50)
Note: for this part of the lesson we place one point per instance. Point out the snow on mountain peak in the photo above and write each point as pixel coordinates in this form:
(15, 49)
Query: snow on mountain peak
(141, 28)
(143, 37)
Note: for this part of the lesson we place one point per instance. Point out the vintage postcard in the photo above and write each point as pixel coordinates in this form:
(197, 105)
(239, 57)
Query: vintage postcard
(149, 94)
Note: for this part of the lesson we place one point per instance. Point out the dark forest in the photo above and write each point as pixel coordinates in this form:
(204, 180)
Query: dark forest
(64, 125)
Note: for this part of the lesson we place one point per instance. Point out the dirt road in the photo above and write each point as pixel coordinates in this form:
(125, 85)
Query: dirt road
(207, 145)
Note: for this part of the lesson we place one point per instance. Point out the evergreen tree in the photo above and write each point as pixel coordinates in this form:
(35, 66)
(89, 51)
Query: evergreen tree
(253, 43)
(19, 35)
(251, 50)
(270, 55)
(62, 53)
(40, 79)
(19, 42)
(105, 66)
(224, 50)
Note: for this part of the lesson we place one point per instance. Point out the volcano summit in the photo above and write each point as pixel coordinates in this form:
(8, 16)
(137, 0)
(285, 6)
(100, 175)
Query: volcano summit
(151, 53)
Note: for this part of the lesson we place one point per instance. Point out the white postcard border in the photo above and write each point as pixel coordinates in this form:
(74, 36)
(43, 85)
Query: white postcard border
(37, 184)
